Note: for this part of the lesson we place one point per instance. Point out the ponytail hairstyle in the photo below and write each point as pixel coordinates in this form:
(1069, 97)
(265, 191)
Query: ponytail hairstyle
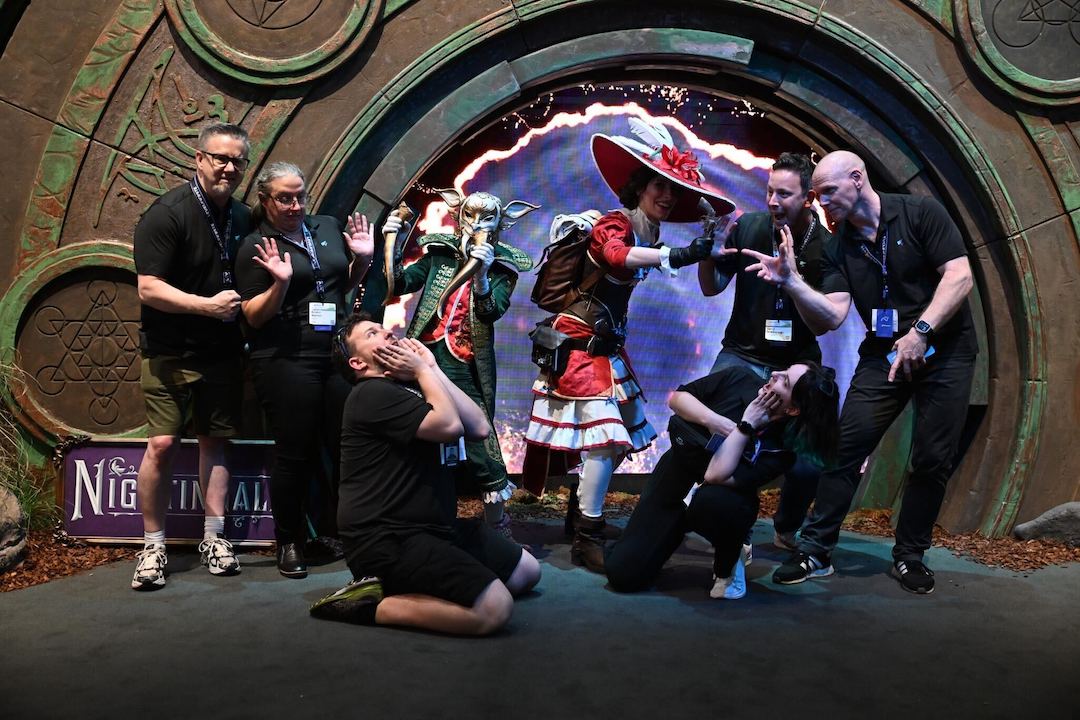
(267, 175)
(814, 432)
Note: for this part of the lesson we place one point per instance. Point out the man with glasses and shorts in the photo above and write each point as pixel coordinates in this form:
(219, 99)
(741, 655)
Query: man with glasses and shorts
(191, 346)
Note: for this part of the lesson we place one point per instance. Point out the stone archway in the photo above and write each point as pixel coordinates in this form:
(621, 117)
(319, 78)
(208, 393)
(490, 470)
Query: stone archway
(916, 85)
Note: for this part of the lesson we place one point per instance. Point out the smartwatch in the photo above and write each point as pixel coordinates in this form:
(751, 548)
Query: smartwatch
(745, 428)
(923, 328)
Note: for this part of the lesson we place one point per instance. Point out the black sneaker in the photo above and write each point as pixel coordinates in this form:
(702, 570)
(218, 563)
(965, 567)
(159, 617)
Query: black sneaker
(913, 576)
(802, 566)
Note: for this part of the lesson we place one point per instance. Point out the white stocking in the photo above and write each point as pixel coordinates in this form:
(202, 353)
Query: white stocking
(596, 472)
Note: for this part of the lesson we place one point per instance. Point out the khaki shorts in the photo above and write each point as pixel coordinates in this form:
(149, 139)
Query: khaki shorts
(205, 393)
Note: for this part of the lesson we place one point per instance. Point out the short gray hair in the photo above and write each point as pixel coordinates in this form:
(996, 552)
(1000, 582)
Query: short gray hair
(227, 129)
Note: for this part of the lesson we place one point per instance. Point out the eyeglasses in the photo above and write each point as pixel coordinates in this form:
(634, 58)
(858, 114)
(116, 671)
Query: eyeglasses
(219, 161)
(286, 200)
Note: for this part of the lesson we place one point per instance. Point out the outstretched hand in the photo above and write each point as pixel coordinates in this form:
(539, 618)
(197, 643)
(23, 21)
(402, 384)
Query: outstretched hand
(779, 270)
(358, 236)
(268, 258)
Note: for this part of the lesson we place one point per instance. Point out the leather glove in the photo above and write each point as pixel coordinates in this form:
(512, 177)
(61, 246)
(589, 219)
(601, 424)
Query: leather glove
(695, 252)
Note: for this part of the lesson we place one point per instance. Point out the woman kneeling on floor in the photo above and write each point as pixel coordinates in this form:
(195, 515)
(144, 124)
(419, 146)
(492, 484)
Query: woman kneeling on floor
(708, 481)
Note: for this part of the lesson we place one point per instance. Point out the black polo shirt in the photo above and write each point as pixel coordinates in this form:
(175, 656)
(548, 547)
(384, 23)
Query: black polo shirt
(756, 300)
(727, 393)
(289, 334)
(173, 241)
(392, 482)
(920, 237)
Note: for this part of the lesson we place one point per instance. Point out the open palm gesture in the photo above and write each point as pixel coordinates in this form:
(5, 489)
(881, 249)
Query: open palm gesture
(776, 270)
(358, 236)
(269, 259)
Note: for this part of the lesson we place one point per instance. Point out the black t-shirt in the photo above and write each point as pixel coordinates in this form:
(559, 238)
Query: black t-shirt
(391, 481)
(173, 241)
(920, 237)
(756, 300)
(289, 333)
(727, 393)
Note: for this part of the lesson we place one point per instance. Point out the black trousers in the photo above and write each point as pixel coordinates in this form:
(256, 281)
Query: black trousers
(941, 392)
(722, 515)
(303, 399)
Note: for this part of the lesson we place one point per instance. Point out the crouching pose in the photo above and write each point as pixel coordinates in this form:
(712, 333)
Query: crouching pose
(729, 436)
(397, 504)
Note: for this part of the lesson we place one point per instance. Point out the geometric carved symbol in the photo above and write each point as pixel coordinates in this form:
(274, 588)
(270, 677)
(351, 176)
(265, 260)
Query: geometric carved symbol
(98, 351)
(1019, 23)
(274, 14)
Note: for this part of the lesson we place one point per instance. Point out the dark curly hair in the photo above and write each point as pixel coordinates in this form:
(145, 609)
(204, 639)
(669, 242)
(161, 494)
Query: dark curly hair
(340, 352)
(814, 432)
(798, 164)
(630, 192)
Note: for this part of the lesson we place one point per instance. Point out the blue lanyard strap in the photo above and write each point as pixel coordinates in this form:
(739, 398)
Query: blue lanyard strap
(308, 247)
(883, 263)
(223, 248)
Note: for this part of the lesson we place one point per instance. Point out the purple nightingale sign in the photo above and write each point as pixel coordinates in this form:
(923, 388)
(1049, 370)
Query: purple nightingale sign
(101, 502)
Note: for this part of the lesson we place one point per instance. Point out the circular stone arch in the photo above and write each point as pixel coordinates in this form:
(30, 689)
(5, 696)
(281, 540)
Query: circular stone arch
(801, 67)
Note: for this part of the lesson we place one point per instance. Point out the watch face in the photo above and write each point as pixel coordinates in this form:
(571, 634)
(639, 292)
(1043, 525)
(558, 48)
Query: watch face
(923, 327)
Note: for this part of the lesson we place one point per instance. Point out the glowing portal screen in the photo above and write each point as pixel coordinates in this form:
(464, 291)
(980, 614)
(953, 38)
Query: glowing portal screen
(674, 332)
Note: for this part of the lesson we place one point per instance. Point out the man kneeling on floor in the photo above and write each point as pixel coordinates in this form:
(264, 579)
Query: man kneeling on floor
(403, 425)
(708, 481)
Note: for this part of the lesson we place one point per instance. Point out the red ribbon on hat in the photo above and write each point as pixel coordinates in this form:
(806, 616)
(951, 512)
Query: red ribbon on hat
(683, 164)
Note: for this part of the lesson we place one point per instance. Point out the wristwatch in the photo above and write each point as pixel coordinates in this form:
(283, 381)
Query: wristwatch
(923, 328)
(745, 428)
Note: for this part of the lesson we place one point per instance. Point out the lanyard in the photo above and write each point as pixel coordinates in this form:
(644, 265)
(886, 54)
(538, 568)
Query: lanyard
(883, 263)
(223, 249)
(309, 249)
(779, 304)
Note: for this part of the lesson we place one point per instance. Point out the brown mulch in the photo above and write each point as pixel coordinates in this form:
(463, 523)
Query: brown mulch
(51, 555)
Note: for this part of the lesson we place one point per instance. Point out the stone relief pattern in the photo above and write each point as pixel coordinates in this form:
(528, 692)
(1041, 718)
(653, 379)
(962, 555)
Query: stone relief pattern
(274, 14)
(158, 134)
(82, 342)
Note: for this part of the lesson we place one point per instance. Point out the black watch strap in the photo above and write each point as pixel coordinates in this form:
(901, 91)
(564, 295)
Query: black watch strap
(745, 428)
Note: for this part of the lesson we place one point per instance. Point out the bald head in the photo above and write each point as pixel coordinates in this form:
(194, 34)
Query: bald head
(838, 164)
(842, 187)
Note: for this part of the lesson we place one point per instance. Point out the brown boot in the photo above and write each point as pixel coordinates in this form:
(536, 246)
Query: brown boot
(587, 547)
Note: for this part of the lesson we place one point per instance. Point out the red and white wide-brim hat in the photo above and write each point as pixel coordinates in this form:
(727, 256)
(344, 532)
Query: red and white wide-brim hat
(617, 157)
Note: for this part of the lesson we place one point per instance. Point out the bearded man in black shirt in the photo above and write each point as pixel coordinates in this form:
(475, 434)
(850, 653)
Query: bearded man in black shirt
(901, 260)
(404, 425)
(184, 248)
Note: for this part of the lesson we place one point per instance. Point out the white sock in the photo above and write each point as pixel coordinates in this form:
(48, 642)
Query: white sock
(213, 526)
(154, 538)
(493, 512)
(596, 474)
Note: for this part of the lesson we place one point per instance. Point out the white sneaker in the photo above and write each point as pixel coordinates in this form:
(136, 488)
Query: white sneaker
(150, 572)
(747, 554)
(732, 587)
(218, 556)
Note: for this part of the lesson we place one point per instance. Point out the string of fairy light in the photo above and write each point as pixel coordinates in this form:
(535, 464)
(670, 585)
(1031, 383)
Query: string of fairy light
(672, 98)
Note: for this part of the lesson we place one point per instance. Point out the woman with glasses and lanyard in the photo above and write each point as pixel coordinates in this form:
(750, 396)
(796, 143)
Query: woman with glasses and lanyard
(293, 274)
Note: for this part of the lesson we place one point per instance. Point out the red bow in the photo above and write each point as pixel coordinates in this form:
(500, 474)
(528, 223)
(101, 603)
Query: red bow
(683, 164)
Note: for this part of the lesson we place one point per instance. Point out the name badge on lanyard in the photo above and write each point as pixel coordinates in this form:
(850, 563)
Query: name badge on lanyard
(321, 315)
(885, 321)
(778, 331)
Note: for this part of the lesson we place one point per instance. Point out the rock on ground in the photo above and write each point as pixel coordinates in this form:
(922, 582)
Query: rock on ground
(12, 532)
(1057, 523)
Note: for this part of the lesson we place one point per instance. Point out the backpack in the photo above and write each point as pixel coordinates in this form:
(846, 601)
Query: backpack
(565, 274)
